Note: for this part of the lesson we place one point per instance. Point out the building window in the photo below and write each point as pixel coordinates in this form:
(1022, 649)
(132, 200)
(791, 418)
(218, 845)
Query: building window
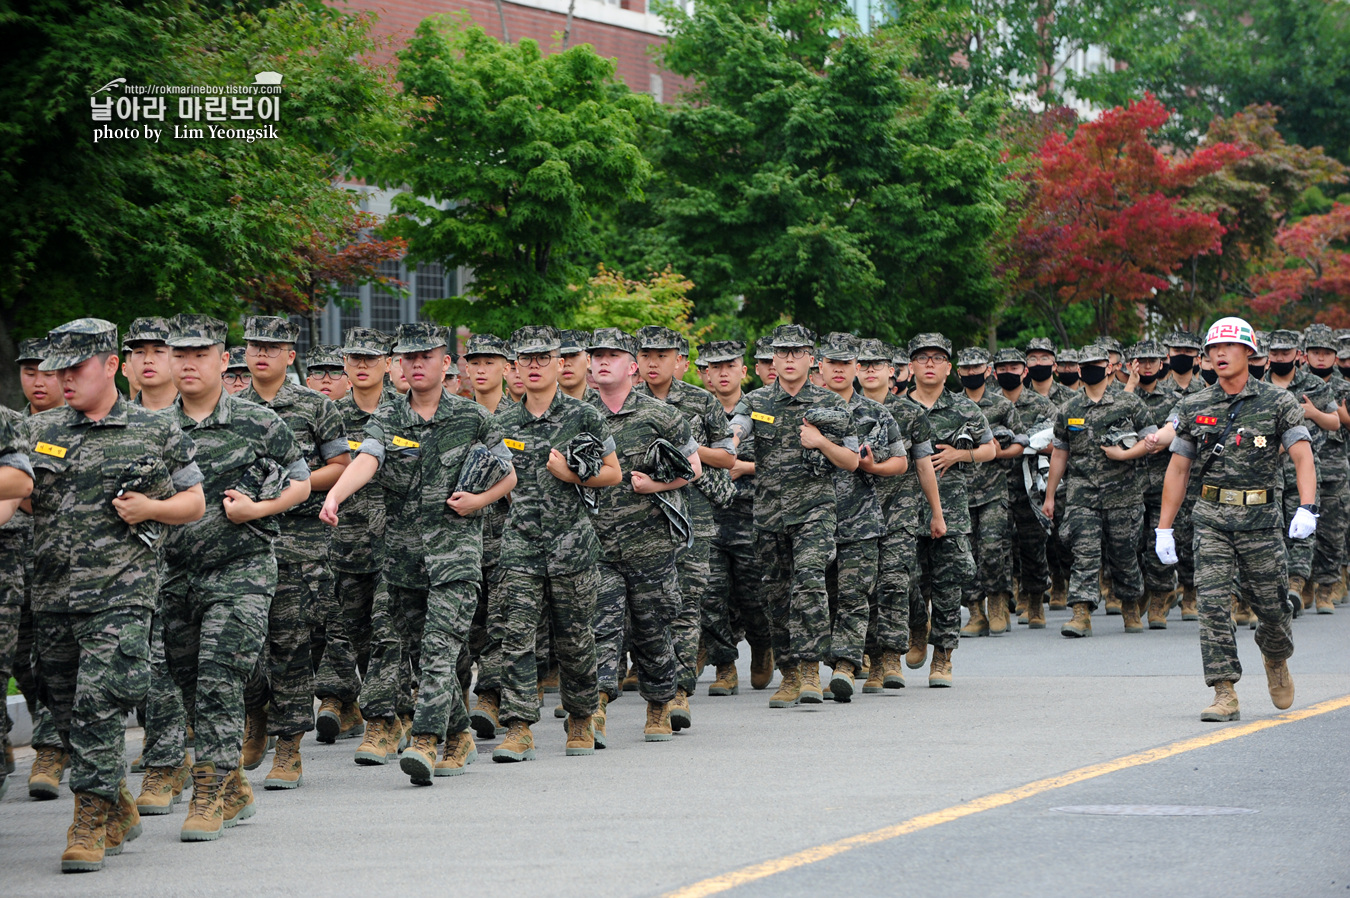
(350, 306)
(385, 313)
(429, 285)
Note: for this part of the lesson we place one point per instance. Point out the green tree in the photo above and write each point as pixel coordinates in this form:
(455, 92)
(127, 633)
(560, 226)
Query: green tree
(511, 156)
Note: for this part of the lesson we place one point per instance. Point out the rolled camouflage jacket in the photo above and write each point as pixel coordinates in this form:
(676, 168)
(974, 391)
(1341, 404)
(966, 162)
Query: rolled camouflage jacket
(708, 423)
(358, 543)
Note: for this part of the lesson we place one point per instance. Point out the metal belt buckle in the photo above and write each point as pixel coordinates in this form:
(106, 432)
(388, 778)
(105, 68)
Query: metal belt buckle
(1231, 497)
(1256, 497)
(1209, 493)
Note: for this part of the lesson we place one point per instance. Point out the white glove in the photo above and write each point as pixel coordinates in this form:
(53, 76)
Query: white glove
(1165, 546)
(1303, 525)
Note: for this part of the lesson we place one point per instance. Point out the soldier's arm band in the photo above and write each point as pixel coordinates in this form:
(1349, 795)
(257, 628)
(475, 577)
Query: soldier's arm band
(922, 450)
(373, 448)
(333, 448)
(607, 447)
(298, 470)
(897, 448)
(186, 477)
(18, 461)
(1183, 447)
(1294, 434)
(741, 425)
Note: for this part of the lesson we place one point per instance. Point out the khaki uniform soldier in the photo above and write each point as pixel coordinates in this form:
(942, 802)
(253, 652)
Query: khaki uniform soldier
(1234, 433)
(357, 550)
(280, 695)
(16, 482)
(795, 515)
(549, 553)
(1333, 472)
(237, 377)
(220, 574)
(417, 446)
(95, 580)
(988, 500)
(1098, 435)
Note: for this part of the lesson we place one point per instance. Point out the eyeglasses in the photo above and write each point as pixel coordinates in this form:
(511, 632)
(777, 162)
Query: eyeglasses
(328, 374)
(363, 361)
(927, 359)
(872, 366)
(238, 378)
(534, 361)
(271, 350)
(796, 353)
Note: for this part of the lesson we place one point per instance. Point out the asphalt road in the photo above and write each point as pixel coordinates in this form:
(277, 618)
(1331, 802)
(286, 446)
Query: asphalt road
(748, 785)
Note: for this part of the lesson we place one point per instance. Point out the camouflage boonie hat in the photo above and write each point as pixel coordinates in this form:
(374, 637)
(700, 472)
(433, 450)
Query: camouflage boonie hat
(1146, 349)
(1285, 339)
(930, 341)
(270, 329)
(1111, 343)
(1319, 336)
(683, 348)
(195, 331)
(655, 337)
(1042, 344)
(33, 349)
(323, 356)
(1263, 347)
(571, 342)
(1094, 352)
(839, 347)
(486, 344)
(1067, 357)
(900, 356)
(237, 361)
(1342, 333)
(146, 330)
(871, 350)
(367, 341)
(764, 349)
(1341, 354)
(420, 337)
(1180, 339)
(611, 338)
(1009, 355)
(719, 351)
(972, 355)
(793, 336)
(78, 340)
(535, 340)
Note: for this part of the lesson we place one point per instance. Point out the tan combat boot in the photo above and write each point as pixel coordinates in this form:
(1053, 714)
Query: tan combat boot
(580, 736)
(1225, 705)
(1081, 625)
(380, 746)
(44, 780)
(1021, 606)
(726, 683)
(978, 625)
(917, 655)
(1157, 610)
(206, 809)
(352, 724)
(680, 716)
(255, 737)
(457, 753)
(418, 760)
(876, 677)
(1129, 613)
(1341, 587)
(940, 671)
(550, 681)
(123, 823)
(1307, 593)
(892, 670)
(863, 672)
(162, 788)
(1112, 604)
(598, 720)
(841, 681)
(1242, 612)
(329, 722)
(1059, 595)
(485, 718)
(1279, 682)
(237, 798)
(286, 772)
(1298, 587)
(998, 614)
(517, 744)
(810, 692)
(405, 722)
(658, 723)
(630, 679)
(1036, 611)
(789, 688)
(86, 839)
(1322, 598)
(1189, 606)
(761, 667)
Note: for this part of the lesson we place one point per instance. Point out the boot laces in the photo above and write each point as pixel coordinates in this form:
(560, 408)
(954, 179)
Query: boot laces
(157, 778)
(47, 763)
(287, 750)
(86, 819)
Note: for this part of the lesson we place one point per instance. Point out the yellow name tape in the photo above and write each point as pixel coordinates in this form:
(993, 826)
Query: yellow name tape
(514, 444)
(49, 449)
(760, 416)
(353, 445)
(1076, 422)
(406, 444)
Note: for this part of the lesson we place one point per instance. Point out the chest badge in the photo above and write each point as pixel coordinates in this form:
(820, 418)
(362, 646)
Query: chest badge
(1260, 442)
(760, 416)
(50, 449)
(403, 443)
(514, 444)
(1206, 420)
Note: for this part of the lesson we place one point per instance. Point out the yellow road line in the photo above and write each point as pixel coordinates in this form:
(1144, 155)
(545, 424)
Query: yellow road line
(765, 869)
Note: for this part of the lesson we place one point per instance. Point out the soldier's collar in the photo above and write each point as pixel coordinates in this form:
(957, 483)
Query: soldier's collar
(116, 417)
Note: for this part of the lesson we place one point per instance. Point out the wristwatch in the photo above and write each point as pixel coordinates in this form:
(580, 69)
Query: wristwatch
(1313, 508)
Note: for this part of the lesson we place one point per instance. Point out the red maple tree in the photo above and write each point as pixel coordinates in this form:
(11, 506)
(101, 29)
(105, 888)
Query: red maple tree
(1104, 220)
(1310, 276)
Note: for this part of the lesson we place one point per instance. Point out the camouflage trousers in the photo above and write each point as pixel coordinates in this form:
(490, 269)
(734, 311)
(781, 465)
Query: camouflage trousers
(639, 592)
(731, 603)
(793, 562)
(346, 653)
(946, 565)
(283, 680)
(851, 586)
(888, 616)
(488, 653)
(1255, 559)
(692, 564)
(568, 603)
(1110, 532)
(1058, 554)
(214, 627)
(1158, 577)
(388, 687)
(165, 716)
(1334, 500)
(95, 670)
(9, 646)
(1298, 553)
(1183, 532)
(25, 673)
(438, 621)
(989, 547)
(1029, 544)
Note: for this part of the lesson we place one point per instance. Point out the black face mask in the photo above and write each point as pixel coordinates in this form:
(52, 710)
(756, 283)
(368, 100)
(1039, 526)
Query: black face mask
(1008, 381)
(1210, 376)
(1345, 370)
(1092, 374)
(1041, 372)
(1147, 379)
(972, 381)
(1322, 372)
(1281, 369)
(1257, 371)
(1181, 364)
(1069, 378)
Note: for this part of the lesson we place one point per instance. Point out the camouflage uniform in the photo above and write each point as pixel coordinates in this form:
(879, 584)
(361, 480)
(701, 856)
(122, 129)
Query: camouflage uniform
(708, 424)
(16, 539)
(548, 554)
(304, 594)
(1057, 553)
(1159, 399)
(638, 574)
(95, 584)
(433, 557)
(1182, 525)
(1036, 413)
(1333, 472)
(1240, 541)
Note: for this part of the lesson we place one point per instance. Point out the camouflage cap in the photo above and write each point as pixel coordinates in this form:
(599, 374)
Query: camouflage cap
(1067, 357)
(1285, 339)
(1182, 339)
(571, 342)
(721, 351)
(1041, 344)
(420, 337)
(930, 341)
(237, 361)
(900, 356)
(78, 340)
(972, 355)
(1146, 349)
(486, 344)
(764, 349)
(535, 339)
(1094, 352)
(1263, 347)
(793, 336)
(683, 348)
(839, 347)
(611, 338)
(366, 341)
(187, 331)
(1111, 343)
(870, 350)
(33, 349)
(270, 329)
(1319, 336)
(1009, 355)
(1341, 354)
(1342, 333)
(152, 329)
(655, 337)
(323, 356)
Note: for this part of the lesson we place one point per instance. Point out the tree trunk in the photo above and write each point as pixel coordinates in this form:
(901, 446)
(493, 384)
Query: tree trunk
(567, 28)
(501, 15)
(11, 392)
